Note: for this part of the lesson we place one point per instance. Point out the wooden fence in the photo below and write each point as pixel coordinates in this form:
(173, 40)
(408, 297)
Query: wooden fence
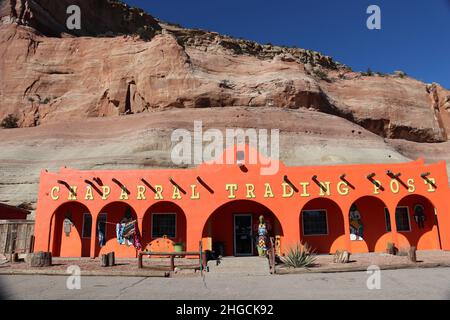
(16, 236)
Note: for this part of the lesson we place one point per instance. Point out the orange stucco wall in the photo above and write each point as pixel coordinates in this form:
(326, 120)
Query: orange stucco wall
(205, 199)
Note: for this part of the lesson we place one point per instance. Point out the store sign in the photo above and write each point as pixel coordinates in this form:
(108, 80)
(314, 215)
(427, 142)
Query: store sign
(232, 190)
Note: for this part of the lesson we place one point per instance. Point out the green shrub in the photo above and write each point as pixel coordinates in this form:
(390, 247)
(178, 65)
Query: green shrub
(368, 73)
(321, 74)
(10, 122)
(145, 34)
(299, 256)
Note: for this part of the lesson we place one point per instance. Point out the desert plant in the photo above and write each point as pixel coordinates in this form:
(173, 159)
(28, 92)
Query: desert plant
(145, 33)
(10, 122)
(321, 74)
(368, 73)
(391, 249)
(299, 256)
(400, 74)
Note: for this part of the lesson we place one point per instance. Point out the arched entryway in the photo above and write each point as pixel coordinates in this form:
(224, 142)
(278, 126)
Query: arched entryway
(369, 225)
(417, 223)
(72, 226)
(107, 220)
(164, 219)
(322, 225)
(232, 228)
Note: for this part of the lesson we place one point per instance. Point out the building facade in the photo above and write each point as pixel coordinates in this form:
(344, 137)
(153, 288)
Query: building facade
(359, 208)
(8, 212)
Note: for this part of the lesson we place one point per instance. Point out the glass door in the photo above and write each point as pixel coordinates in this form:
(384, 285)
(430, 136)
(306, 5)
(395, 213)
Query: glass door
(243, 235)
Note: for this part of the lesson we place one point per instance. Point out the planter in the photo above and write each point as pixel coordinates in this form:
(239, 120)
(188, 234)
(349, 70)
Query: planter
(178, 247)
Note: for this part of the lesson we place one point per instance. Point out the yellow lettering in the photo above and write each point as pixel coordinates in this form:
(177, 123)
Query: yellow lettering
(250, 191)
(268, 191)
(176, 195)
(376, 187)
(123, 194)
(73, 193)
(106, 192)
(285, 189)
(141, 192)
(326, 186)
(89, 193)
(395, 186)
(52, 193)
(342, 188)
(305, 186)
(431, 182)
(158, 193)
(411, 186)
(194, 194)
(231, 188)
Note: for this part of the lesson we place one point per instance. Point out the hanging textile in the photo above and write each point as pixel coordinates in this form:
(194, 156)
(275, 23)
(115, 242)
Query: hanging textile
(119, 233)
(137, 238)
(128, 233)
(101, 237)
(129, 229)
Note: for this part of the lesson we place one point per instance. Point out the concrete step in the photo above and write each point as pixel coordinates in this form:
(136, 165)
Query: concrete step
(240, 266)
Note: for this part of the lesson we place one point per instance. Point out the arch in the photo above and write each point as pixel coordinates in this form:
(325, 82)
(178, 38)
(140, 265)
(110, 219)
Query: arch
(423, 238)
(76, 241)
(334, 238)
(164, 207)
(219, 227)
(375, 225)
(115, 212)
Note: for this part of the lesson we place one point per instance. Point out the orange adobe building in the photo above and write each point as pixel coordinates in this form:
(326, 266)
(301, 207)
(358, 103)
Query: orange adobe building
(360, 208)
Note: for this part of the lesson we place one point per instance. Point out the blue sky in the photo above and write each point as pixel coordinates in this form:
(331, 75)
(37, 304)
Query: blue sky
(415, 34)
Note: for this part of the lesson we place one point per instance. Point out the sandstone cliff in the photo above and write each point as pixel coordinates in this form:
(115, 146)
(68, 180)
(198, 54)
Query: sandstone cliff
(51, 77)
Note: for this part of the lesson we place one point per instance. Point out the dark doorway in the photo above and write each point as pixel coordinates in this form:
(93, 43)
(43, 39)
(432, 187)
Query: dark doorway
(243, 235)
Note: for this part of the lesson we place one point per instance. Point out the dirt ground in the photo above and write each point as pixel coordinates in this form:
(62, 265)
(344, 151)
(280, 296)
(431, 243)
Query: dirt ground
(426, 258)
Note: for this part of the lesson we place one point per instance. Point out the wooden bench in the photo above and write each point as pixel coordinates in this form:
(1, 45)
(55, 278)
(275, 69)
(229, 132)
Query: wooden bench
(172, 255)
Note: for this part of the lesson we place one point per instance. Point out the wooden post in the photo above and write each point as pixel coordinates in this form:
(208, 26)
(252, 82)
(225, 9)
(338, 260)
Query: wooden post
(140, 265)
(172, 262)
(201, 256)
(111, 259)
(104, 260)
(41, 259)
(412, 254)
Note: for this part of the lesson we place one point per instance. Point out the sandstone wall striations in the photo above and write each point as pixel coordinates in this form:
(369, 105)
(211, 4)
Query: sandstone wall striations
(63, 86)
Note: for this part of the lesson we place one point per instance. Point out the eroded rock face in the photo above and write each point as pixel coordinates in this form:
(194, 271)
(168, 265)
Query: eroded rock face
(99, 17)
(45, 79)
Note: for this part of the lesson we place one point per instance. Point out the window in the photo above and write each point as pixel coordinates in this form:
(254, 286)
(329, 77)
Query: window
(87, 225)
(164, 224)
(315, 222)
(387, 217)
(401, 219)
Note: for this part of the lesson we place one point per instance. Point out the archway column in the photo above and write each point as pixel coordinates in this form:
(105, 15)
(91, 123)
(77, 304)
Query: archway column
(392, 207)
(94, 233)
(443, 220)
(345, 208)
(194, 233)
(291, 227)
